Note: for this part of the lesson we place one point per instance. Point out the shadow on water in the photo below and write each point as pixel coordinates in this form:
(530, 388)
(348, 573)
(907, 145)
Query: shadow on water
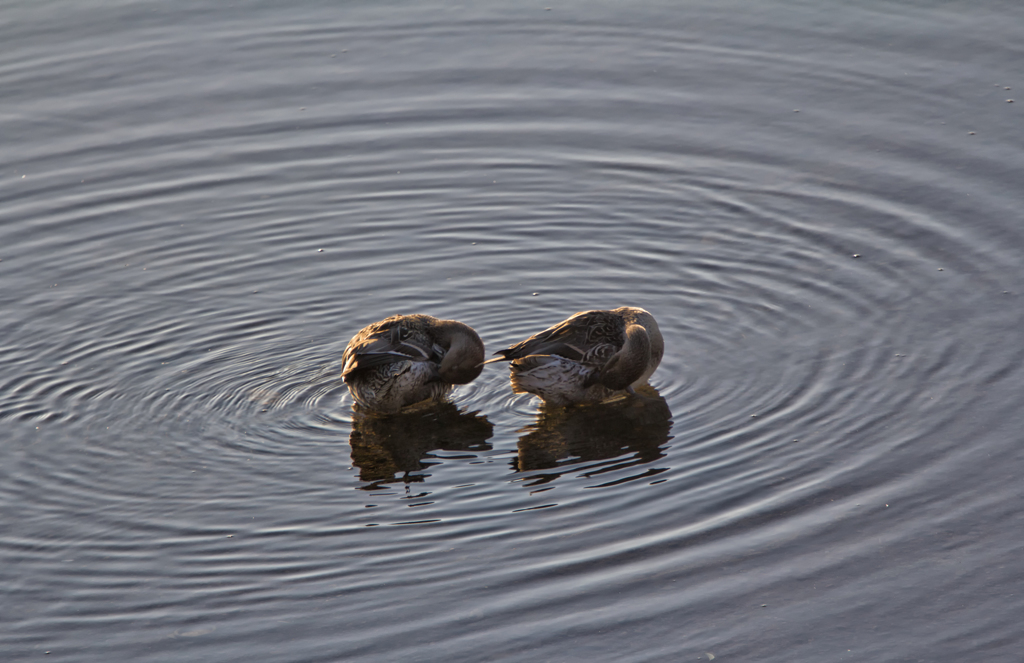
(389, 449)
(629, 432)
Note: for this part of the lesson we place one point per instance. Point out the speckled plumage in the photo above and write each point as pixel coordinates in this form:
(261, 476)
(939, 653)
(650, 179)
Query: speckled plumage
(590, 357)
(406, 359)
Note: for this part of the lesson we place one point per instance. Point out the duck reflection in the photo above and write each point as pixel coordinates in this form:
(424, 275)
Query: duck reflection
(384, 447)
(564, 437)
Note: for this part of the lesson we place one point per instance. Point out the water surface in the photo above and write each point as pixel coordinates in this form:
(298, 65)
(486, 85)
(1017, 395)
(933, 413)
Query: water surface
(821, 206)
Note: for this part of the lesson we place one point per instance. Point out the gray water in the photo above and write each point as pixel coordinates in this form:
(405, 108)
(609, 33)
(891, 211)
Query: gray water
(820, 203)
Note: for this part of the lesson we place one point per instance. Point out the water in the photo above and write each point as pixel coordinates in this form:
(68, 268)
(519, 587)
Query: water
(820, 205)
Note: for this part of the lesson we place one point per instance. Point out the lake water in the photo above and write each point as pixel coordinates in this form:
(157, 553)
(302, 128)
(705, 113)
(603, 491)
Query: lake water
(820, 203)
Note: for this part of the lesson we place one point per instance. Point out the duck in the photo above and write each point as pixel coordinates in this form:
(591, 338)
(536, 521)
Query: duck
(589, 357)
(405, 359)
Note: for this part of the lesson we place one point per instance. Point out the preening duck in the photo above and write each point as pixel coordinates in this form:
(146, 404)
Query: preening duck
(406, 359)
(587, 358)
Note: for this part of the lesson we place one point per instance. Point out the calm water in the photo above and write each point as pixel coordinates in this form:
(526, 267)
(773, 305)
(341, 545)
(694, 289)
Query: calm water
(821, 204)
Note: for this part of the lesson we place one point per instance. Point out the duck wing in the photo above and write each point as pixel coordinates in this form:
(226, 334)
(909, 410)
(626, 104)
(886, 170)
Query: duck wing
(387, 342)
(585, 337)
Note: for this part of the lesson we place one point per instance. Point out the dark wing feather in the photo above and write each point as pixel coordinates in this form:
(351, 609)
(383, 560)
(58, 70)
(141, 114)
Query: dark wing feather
(574, 338)
(383, 343)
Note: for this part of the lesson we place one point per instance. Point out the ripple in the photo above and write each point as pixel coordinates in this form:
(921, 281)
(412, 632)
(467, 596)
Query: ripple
(732, 252)
(202, 208)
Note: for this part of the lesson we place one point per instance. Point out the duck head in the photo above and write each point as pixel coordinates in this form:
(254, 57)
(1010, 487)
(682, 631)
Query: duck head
(464, 358)
(628, 364)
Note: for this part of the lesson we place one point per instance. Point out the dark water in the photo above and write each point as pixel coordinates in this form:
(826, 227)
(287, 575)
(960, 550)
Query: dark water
(820, 202)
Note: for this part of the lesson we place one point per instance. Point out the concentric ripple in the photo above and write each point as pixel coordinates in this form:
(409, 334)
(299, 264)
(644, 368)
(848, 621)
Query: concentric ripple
(201, 206)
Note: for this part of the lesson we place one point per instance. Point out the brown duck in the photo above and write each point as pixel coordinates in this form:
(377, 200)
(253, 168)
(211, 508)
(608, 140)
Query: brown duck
(406, 359)
(590, 357)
